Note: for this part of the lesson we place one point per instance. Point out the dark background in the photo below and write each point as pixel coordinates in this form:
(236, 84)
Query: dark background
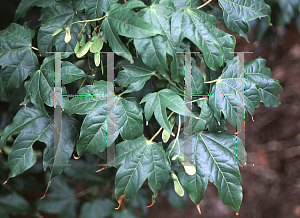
(271, 187)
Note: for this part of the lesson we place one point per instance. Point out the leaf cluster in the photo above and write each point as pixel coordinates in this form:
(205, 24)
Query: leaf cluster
(149, 39)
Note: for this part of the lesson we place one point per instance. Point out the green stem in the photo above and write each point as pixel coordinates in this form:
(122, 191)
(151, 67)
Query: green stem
(194, 100)
(85, 21)
(82, 83)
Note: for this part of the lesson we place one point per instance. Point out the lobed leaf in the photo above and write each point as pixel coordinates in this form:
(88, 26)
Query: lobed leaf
(154, 50)
(237, 13)
(16, 56)
(121, 20)
(134, 76)
(214, 156)
(141, 159)
(158, 102)
(200, 28)
(55, 16)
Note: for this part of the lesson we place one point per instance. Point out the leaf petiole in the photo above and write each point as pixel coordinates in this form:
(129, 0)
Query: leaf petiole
(201, 6)
(160, 129)
(85, 21)
(212, 81)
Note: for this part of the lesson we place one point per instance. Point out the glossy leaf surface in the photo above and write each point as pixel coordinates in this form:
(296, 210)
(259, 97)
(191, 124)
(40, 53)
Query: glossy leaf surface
(158, 102)
(16, 57)
(237, 13)
(214, 156)
(142, 159)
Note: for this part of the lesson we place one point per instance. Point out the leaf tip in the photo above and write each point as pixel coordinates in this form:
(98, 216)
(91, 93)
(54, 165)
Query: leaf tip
(120, 201)
(76, 158)
(153, 199)
(4, 182)
(43, 196)
(198, 208)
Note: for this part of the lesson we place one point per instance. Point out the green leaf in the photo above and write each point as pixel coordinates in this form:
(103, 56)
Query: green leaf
(149, 87)
(269, 89)
(57, 159)
(16, 56)
(179, 4)
(70, 73)
(121, 20)
(101, 207)
(88, 99)
(21, 155)
(200, 28)
(13, 203)
(237, 13)
(198, 86)
(22, 120)
(36, 127)
(61, 200)
(142, 159)
(214, 156)
(25, 5)
(225, 95)
(158, 102)
(95, 8)
(55, 16)
(79, 4)
(154, 50)
(207, 119)
(165, 134)
(40, 86)
(134, 76)
(128, 123)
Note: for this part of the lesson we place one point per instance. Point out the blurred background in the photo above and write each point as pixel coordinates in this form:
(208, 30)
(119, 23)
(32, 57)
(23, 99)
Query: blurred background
(271, 187)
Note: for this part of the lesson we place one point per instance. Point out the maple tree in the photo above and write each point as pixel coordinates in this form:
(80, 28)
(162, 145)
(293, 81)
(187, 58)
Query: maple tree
(149, 94)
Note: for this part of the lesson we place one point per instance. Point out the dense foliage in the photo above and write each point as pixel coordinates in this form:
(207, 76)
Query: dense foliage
(149, 99)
